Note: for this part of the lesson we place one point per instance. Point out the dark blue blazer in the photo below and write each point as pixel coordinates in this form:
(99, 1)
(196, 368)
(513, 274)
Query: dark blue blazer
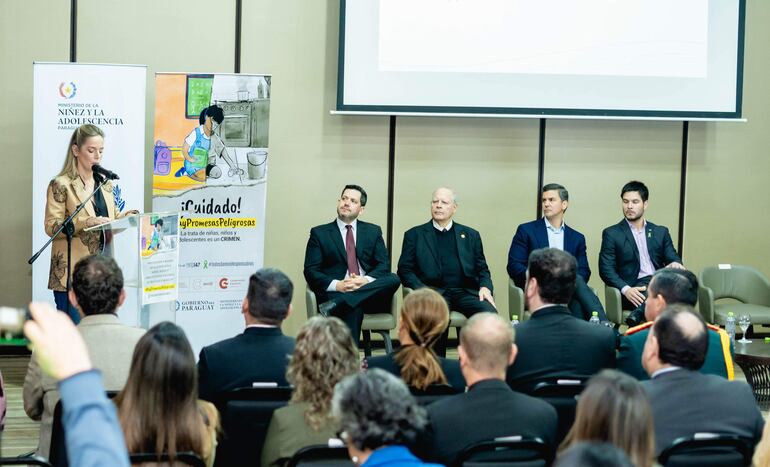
(533, 235)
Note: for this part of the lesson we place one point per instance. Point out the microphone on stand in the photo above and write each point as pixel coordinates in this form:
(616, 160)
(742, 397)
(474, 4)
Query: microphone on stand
(99, 170)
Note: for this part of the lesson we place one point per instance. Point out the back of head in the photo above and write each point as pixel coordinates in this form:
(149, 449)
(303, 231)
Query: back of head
(639, 187)
(324, 353)
(158, 407)
(592, 454)
(614, 408)
(675, 285)
(555, 272)
(486, 341)
(375, 409)
(682, 337)
(424, 316)
(269, 296)
(97, 282)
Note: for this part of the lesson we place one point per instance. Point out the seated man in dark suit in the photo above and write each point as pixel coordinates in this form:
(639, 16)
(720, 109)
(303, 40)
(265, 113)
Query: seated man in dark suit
(685, 401)
(347, 265)
(669, 286)
(633, 249)
(551, 231)
(552, 343)
(490, 409)
(261, 353)
(449, 258)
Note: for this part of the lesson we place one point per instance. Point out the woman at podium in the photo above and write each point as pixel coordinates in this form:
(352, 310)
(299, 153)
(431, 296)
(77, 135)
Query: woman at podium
(74, 183)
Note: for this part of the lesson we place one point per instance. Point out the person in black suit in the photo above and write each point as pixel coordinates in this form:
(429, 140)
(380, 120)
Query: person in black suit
(490, 409)
(685, 401)
(449, 258)
(261, 353)
(553, 344)
(633, 249)
(347, 265)
(551, 231)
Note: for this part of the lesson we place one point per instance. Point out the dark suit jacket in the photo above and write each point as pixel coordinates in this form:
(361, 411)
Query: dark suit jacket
(326, 259)
(685, 402)
(554, 344)
(532, 236)
(619, 257)
(419, 264)
(451, 369)
(257, 355)
(490, 409)
(632, 346)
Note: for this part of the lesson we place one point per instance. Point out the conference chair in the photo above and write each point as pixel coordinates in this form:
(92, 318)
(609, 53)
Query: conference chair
(57, 454)
(187, 458)
(562, 394)
(743, 283)
(321, 455)
(29, 460)
(245, 415)
(381, 323)
(516, 302)
(613, 306)
(707, 450)
(511, 451)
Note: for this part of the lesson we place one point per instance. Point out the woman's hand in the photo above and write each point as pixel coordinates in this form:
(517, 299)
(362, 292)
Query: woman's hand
(130, 212)
(94, 221)
(59, 348)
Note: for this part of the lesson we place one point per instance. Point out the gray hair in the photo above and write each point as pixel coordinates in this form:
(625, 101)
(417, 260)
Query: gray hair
(451, 190)
(376, 409)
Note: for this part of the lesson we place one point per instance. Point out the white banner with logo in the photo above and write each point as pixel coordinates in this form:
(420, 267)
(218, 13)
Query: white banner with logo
(210, 164)
(65, 96)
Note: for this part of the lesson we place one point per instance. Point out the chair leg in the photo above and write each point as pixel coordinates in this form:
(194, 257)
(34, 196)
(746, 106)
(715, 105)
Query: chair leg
(367, 343)
(386, 340)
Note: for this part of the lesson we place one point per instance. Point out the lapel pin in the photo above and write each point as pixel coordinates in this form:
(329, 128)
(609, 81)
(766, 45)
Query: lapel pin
(649, 234)
(462, 235)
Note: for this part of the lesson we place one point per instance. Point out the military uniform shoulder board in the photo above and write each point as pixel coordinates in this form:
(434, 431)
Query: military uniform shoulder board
(638, 328)
(712, 327)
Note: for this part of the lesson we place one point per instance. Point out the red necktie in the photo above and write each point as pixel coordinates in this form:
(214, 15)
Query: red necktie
(350, 248)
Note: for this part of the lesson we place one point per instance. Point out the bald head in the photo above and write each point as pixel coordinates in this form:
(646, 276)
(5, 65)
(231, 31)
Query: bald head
(682, 337)
(486, 342)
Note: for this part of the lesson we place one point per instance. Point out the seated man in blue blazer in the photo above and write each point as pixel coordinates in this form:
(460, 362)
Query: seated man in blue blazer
(551, 231)
(633, 249)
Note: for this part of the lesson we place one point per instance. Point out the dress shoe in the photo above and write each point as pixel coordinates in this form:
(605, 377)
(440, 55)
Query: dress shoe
(325, 309)
(635, 318)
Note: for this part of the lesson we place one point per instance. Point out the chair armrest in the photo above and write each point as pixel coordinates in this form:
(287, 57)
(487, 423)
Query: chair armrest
(394, 305)
(613, 304)
(515, 302)
(706, 303)
(311, 303)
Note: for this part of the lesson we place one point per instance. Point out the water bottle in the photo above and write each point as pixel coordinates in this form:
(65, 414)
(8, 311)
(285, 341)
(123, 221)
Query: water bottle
(594, 317)
(730, 326)
(515, 321)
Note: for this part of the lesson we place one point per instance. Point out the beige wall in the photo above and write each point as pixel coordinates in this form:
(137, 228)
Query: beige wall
(492, 163)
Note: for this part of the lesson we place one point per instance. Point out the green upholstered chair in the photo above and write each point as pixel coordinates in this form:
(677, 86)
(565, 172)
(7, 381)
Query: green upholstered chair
(742, 283)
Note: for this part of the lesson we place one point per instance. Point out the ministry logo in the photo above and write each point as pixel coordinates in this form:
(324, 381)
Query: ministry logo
(67, 89)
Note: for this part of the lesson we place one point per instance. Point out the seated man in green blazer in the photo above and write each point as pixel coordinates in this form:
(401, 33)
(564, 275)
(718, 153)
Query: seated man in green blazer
(669, 286)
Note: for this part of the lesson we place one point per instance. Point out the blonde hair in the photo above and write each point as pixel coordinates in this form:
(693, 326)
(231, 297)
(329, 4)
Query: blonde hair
(425, 316)
(78, 138)
(324, 354)
(614, 408)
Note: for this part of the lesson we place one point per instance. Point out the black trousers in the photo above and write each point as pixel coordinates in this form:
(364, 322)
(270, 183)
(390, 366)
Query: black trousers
(584, 301)
(373, 297)
(466, 302)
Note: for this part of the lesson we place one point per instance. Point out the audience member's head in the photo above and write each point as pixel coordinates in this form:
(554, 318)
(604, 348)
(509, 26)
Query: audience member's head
(614, 408)
(593, 454)
(324, 354)
(424, 318)
(268, 300)
(551, 277)
(158, 408)
(97, 285)
(679, 338)
(375, 409)
(486, 347)
(669, 286)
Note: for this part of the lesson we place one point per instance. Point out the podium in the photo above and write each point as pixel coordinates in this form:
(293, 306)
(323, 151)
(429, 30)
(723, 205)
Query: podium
(122, 242)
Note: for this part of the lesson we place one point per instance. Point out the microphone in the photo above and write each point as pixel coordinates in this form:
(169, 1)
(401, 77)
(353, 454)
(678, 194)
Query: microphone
(99, 170)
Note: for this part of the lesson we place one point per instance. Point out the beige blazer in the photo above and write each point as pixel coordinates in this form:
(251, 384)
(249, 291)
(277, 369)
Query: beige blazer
(288, 433)
(64, 196)
(110, 345)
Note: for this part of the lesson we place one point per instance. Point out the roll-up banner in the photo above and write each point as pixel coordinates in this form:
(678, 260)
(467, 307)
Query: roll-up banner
(65, 96)
(210, 164)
